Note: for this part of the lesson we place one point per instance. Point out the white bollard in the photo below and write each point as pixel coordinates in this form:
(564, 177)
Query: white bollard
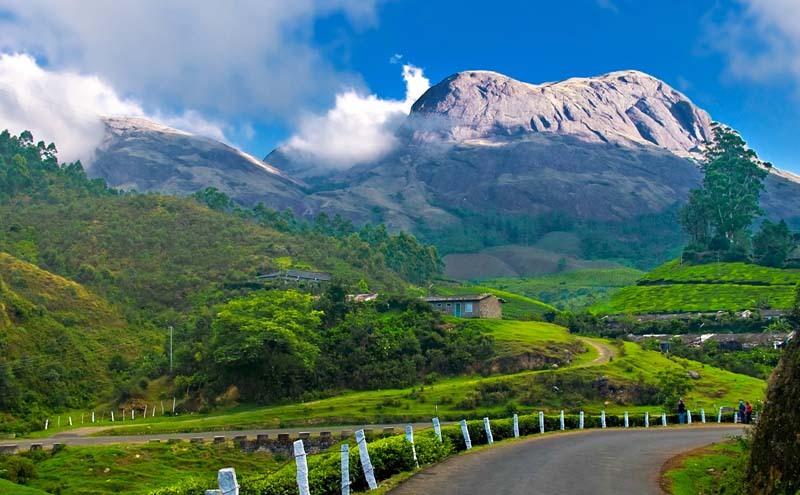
(719, 415)
(602, 419)
(735, 417)
(70, 420)
(488, 427)
(145, 411)
(437, 428)
(580, 421)
(112, 416)
(226, 478)
(410, 439)
(173, 406)
(133, 414)
(663, 419)
(302, 467)
(92, 416)
(162, 407)
(688, 417)
(516, 426)
(647, 420)
(345, 469)
(561, 420)
(46, 424)
(703, 416)
(465, 432)
(627, 424)
(541, 422)
(153, 414)
(363, 452)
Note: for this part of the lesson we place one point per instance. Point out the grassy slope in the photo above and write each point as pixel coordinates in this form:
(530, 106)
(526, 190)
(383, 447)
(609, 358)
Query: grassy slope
(9, 488)
(58, 333)
(701, 471)
(714, 388)
(517, 307)
(570, 290)
(712, 287)
(139, 469)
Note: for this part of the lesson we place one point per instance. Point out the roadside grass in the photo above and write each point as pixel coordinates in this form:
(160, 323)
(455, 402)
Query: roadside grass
(570, 290)
(497, 396)
(517, 307)
(139, 469)
(9, 488)
(715, 469)
(513, 338)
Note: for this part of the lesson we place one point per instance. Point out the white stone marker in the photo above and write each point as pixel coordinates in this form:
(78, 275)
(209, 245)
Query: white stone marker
(735, 417)
(437, 428)
(541, 422)
(46, 424)
(488, 428)
(70, 420)
(703, 416)
(561, 420)
(647, 420)
(602, 419)
(92, 416)
(369, 472)
(345, 469)
(627, 424)
(112, 416)
(465, 432)
(145, 411)
(663, 419)
(580, 421)
(719, 415)
(516, 426)
(173, 406)
(153, 415)
(410, 439)
(133, 414)
(227, 481)
(688, 417)
(302, 467)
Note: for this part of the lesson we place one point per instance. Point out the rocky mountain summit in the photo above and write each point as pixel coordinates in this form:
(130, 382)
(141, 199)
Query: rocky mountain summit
(620, 107)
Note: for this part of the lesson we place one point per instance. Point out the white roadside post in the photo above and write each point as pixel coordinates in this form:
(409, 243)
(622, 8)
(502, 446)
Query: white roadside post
(688, 417)
(173, 406)
(410, 439)
(488, 427)
(46, 424)
(92, 416)
(541, 422)
(133, 414)
(516, 426)
(580, 421)
(437, 428)
(561, 420)
(627, 424)
(719, 415)
(602, 419)
(153, 415)
(112, 416)
(302, 467)
(735, 417)
(703, 416)
(345, 469)
(369, 472)
(663, 419)
(465, 432)
(70, 421)
(145, 411)
(162, 407)
(647, 419)
(226, 478)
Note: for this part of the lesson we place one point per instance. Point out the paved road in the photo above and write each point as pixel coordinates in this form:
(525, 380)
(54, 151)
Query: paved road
(75, 439)
(595, 462)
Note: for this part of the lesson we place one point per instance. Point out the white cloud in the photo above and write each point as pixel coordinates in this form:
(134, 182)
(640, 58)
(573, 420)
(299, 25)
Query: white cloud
(246, 58)
(66, 107)
(761, 40)
(359, 128)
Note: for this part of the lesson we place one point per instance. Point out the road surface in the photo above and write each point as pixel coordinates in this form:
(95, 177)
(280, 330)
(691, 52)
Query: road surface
(593, 462)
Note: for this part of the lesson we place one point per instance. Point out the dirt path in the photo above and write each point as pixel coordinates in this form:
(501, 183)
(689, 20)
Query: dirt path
(605, 351)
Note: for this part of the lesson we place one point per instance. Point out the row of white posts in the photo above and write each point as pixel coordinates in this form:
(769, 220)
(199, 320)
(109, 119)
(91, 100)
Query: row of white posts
(227, 477)
(113, 418)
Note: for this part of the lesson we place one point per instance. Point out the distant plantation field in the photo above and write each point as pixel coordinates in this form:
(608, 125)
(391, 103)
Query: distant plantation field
(676, 288)
(570, 290)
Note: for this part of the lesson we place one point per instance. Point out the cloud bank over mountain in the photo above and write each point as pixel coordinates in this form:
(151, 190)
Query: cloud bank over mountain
(359, 128)
(67, 107)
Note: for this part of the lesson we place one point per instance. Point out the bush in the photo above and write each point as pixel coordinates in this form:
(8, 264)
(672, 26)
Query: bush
(17, 469)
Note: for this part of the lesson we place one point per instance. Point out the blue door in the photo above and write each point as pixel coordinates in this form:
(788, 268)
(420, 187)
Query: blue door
(457, 312)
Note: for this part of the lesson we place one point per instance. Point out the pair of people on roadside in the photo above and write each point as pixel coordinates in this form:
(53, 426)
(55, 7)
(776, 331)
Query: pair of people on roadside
(745, 412)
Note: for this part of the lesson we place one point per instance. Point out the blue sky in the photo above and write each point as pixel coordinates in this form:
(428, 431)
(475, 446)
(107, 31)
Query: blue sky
(269, 71)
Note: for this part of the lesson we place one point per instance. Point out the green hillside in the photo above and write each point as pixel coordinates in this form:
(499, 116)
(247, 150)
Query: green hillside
(676, 288)
(57, 340)
(570, 290)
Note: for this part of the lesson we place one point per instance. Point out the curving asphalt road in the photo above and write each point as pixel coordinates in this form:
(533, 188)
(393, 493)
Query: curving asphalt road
(593, 462)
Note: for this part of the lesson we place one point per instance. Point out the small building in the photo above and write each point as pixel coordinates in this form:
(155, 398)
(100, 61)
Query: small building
(362, 298)
(472, 306)
(296, 277)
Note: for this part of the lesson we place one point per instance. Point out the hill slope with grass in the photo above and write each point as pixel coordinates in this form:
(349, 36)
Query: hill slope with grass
(57, 340)
(679, 288)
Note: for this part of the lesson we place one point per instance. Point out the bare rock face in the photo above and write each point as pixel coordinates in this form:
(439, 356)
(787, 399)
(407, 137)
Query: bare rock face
(626, 108)
(146, 156)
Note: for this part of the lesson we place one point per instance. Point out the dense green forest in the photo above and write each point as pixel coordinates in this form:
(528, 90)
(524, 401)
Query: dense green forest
(153, 261)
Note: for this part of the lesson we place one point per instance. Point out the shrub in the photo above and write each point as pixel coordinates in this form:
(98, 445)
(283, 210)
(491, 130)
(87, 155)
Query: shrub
(17, 469)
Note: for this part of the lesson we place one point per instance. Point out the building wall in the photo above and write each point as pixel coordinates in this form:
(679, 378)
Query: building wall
(490, 308)
(485, 308)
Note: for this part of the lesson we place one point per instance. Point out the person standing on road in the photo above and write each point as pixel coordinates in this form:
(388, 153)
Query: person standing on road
(748, 412)
(681, 411)
(742, 411)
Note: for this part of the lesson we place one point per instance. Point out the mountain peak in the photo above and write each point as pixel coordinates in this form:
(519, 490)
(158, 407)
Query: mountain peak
(626, 107)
